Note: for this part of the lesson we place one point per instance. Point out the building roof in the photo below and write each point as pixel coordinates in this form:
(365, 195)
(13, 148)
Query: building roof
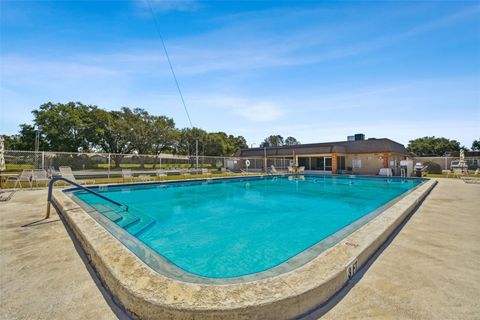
(349, 147)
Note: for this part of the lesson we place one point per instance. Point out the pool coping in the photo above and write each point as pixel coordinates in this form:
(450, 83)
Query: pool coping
(164, 266)
(148, 294)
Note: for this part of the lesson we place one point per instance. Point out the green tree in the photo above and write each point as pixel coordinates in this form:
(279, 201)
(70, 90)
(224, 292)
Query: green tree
(139, 129)
(112, 131)
(221, 144)
(25, 139)
(216, 144)
(272, 141)
(163, 134)
(187, 142)
(149, 134)
(66, 127)
(12, 142)
(476, 145)
(291, 141)
(235, 144)
(432, 146)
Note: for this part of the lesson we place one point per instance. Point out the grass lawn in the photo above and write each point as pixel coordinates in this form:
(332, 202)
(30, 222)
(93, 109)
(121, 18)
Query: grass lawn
(439, 175)
(16, 168)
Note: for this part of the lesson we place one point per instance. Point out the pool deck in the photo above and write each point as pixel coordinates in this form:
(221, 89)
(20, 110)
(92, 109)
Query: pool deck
(429, 270)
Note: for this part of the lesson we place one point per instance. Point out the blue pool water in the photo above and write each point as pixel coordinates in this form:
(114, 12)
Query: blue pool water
(232, 228)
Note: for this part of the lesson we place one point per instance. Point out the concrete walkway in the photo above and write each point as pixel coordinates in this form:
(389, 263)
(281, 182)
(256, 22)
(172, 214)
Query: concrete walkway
(42, 275)
(430, 270)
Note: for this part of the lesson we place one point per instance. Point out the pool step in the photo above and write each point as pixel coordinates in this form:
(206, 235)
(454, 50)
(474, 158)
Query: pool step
(141, 226)
(127, 219)
(132, 221)
(108, 212)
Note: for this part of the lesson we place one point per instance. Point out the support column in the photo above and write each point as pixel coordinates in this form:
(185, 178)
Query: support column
(385, 160)
(334, 163)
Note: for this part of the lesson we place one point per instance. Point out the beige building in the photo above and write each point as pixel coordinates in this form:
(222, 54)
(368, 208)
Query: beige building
(357, 157)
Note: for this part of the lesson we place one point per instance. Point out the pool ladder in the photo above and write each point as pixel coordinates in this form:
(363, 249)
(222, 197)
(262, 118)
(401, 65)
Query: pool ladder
(55, 179)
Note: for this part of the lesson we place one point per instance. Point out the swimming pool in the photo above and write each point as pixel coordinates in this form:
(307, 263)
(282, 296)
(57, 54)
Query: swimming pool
(242, 227)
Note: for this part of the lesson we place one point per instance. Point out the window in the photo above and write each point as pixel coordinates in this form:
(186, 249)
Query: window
(328, 164)
(356, 163)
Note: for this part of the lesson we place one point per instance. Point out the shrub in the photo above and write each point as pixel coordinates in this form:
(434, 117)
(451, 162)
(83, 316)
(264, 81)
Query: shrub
(432, 167)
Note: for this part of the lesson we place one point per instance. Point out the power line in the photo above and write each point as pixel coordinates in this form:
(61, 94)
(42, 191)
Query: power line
(157, 27)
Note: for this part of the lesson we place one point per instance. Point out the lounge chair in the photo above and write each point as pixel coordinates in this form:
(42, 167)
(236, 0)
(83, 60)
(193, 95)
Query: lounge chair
(25, 176)
(301, 170)
(290, 169)
(206, 171)
(225, 170)
(474, 178)
(66, 172)
(144, 177)
(459, 173)
(160, 173)
(127, 174)
(40, 175)
(273, 169)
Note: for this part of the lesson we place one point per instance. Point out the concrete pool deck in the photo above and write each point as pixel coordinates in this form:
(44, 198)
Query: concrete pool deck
(429, 270)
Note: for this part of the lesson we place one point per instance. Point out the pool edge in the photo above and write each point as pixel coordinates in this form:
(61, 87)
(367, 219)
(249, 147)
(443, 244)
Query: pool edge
(150, 295)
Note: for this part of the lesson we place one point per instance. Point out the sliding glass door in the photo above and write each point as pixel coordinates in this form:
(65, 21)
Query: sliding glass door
(316, 163)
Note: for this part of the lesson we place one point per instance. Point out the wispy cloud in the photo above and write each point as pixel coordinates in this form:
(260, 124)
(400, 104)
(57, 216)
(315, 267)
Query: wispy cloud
(252, 110)
(313, 73)
(163, 6)
(250, 50)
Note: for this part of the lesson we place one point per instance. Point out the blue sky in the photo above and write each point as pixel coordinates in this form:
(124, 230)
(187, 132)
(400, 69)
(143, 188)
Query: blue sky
(318, 71)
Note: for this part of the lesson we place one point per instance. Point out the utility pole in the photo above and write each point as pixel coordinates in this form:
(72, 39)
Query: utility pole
(37, 146)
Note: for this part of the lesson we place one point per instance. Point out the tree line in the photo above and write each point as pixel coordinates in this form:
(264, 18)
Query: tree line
(76, 127)
(438, 146)
(278, 141)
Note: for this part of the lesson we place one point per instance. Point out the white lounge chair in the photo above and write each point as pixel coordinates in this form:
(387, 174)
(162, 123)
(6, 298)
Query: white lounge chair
(161, 173)
(290, 169)
(273, 169)
(144, 177)
(67, 173)
(206, 171)
(25, 176)
(301, 170)
(127, 174)
(40, 175)
(474, 178)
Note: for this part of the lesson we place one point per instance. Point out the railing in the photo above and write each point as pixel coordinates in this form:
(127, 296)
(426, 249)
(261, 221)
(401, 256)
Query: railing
(55, 179)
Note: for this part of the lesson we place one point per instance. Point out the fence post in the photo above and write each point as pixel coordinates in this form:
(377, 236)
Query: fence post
(109, 162)
(265, 159)
(43, 159)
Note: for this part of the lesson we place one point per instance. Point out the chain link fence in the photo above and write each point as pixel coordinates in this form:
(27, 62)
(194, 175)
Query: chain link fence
(105, 164)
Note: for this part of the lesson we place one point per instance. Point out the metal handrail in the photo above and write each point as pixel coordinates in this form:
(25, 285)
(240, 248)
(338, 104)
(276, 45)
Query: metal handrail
(55, 179)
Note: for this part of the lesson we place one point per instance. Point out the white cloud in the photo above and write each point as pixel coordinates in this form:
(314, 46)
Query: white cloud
(252, 110)
(162, 6)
